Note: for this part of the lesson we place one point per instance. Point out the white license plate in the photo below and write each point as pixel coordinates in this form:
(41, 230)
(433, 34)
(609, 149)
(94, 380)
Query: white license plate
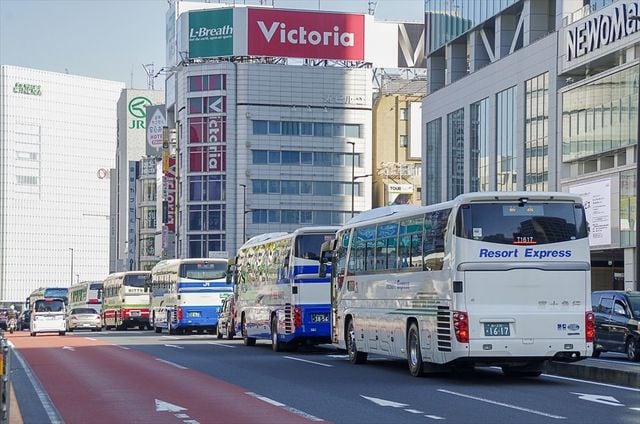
(319, 317)
(135, 313)
(194, 314)
(492, 329)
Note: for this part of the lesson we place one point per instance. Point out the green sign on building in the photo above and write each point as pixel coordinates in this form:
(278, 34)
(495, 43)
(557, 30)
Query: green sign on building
(211, 33)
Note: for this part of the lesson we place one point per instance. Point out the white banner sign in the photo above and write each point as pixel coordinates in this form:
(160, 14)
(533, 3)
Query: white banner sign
(596, 197)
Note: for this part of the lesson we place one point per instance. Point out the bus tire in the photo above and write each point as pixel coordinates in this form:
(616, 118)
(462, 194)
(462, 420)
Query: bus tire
(355, 357)
(158, 330)
(61, 333)
(275, 343)
(33, 334)
(218, 332)
(414, 353)
(248, 341)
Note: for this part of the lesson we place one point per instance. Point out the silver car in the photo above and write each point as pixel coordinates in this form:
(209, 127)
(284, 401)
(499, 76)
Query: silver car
(84, 318)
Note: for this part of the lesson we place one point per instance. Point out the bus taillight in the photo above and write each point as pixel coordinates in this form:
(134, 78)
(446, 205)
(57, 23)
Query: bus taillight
(180, 314)
(297, 317)
(590, 326)
(461, 326)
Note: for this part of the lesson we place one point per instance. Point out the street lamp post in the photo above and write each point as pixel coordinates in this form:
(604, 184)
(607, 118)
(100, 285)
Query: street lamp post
(637, 258)
(244, 212)
(353, 174)
(71, 250)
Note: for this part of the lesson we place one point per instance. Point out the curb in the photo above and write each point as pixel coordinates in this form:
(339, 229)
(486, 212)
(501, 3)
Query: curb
(592, 373)
(15, 417)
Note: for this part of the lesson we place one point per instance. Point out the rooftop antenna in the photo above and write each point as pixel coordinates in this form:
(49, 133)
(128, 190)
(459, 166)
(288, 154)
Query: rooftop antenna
(148, 68)
(372, 6)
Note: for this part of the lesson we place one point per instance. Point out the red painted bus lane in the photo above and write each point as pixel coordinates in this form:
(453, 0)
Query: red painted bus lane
(92, 381)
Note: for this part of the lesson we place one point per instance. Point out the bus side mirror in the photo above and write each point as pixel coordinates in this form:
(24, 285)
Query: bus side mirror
(326, 257)
(231, 270)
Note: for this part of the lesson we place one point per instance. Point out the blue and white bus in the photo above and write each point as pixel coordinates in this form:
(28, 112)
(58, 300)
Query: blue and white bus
(278, 293)
(187, 294)
(500, 279)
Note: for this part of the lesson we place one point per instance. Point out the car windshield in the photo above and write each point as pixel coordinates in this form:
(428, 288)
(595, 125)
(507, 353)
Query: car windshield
(83, 311)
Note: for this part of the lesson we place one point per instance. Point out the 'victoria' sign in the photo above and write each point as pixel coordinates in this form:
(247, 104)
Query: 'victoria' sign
(610, 25)
(312, 35)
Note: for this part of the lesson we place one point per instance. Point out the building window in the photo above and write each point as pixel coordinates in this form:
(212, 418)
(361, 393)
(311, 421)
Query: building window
(207, 82)
(601, 115)
(536, 128)
(404, 140)
(506, 139)
(628, 204)
(403, 114)
(479, 146)
(455, 153)
(434, 161)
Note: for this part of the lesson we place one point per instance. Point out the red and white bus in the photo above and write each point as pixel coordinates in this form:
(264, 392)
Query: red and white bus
(125, 300)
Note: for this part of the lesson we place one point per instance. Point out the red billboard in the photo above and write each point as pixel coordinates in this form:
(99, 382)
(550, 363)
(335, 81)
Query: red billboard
(313, 35)
(169, 196)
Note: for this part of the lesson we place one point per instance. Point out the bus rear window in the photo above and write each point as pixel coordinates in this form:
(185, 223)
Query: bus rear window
(521, 224)
(204, 271)
(308, 245)
(136, 280)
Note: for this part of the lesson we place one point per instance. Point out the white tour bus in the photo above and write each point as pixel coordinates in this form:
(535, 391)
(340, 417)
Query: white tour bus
(125, 300)
(498, 278)
(187, 294)
(278, 293)
(86, 294)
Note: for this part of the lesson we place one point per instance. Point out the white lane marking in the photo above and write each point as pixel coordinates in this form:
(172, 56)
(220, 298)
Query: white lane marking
(338, 356)
(181, 415)
(635, 409)
(434, 417)
(285, 407)
(170, 337)
(592, 382)
(384, 402)
(161, 405)
(174, 346)
(91, 338)
(72, 349)
(221, 345)
(173, 364)
(414, 411)
(124, 347)
(308, 362)
(506, 405)
(606, 400)
(45, 400)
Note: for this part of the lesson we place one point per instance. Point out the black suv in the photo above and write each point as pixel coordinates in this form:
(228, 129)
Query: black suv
(4, 317)
(617, 322)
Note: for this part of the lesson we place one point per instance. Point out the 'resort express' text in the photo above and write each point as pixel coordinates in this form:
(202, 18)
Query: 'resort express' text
(527, 253)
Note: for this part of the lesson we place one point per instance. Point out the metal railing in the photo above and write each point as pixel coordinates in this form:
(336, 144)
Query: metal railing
(5, 387)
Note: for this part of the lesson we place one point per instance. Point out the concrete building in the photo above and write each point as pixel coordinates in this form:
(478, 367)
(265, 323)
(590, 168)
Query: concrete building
(522, 99)
(58, 137)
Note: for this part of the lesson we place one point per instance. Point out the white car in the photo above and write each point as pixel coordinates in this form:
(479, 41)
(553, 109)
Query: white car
(48, 316)
(84, 319)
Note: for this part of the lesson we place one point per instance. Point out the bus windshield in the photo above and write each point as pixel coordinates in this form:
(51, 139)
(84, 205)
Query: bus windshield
(56, 292)
(204, 271)
(308, 245)
(528, 223)
(136, 280)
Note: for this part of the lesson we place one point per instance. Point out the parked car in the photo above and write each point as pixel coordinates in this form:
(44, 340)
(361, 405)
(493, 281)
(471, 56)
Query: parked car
(617, 316)
(24, 320)
(4, 316)
(226, 319)
(84, 318)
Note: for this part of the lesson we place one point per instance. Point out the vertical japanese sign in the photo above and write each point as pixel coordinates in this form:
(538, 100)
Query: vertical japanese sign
(169, 196)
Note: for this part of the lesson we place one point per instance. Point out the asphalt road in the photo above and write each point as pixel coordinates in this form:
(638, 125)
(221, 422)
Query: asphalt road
(219, 381)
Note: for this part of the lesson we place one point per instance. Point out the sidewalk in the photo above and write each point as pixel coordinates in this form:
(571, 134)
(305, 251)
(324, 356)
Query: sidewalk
(611, 372)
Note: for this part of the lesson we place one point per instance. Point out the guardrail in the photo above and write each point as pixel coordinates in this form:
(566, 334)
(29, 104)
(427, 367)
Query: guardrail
(5, 387)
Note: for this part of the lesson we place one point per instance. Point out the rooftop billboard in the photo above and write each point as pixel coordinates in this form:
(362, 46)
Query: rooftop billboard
(313, 35)
(211, 33)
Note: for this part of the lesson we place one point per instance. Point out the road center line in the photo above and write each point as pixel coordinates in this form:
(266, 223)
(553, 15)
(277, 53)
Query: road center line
(124, 347)
(173, 364)
(91, 338)
(283, 406)
(506, 405)
(592, 382)
(309, 362)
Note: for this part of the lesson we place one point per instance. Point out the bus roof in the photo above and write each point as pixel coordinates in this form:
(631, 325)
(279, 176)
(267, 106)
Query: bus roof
(170, 263)
(402, 211)
(283, 235)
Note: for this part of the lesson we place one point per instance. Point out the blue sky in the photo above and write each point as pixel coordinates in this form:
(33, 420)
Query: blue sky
(112, 39)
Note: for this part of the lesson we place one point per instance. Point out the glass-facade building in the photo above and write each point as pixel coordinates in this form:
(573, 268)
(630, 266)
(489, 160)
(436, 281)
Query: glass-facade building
(538, 109)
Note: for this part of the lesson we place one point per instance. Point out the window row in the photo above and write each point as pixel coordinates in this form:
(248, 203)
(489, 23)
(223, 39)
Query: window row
(308, 217)
(207, 187)
(317, 188)
(211, 104)
(317, 129)
(201, 244)
(208, 82)
(416, 242)
(207, 217)
(292, 157)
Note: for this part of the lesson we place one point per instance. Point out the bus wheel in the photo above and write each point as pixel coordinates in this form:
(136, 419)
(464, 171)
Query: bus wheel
(414, 354)
(248, 341)
(355, 357)
(33, 334)
(275, 343)
(218, 332)
(61, 333)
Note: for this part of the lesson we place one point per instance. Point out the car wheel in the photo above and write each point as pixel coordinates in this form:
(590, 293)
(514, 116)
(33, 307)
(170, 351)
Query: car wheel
(633, 350)
(595, 353)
